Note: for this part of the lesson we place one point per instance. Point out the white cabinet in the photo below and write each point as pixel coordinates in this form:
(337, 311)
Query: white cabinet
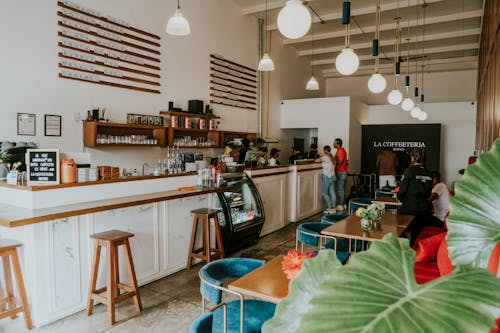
(178, 230)
(305, 192)
(272, 190)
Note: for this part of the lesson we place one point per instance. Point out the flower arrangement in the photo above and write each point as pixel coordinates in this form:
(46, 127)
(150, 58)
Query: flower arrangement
(292, 262)
(372, 212)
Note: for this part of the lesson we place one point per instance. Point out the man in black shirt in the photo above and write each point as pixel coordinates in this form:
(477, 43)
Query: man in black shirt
(296, 155)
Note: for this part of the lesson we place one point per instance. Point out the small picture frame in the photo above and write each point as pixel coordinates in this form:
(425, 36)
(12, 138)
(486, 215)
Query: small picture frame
(26, 124)
(52, 125)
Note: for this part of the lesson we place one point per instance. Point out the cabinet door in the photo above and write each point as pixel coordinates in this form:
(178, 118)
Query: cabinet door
(143, 222)
(272, 191)
(179, 227)
(319, 203)
(306, 186)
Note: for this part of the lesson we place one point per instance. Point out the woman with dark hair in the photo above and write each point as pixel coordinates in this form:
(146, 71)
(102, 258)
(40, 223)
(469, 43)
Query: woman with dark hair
(414, 193)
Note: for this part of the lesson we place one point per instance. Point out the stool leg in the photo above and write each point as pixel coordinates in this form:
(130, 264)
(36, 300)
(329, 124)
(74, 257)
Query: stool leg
(218, 236)
(206, 238)
(117, 272)
(93, 277)
(193, 239)
(21, 289)
(111, 288)
(9, 288)
(131, 272)
(2, 298)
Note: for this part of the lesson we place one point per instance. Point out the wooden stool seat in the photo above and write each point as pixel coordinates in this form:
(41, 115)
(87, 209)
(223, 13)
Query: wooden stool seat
(111, 239)
(205, 253)
(10, 305)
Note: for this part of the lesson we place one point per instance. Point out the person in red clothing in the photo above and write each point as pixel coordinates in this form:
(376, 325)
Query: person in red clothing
(340, 172)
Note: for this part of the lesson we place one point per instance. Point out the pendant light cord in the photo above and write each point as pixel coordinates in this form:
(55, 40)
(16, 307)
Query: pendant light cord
(312, 51)
(396, 47)
(416, 54)
(265, 31)
(178, 4)
(424, 5)
(377, 35)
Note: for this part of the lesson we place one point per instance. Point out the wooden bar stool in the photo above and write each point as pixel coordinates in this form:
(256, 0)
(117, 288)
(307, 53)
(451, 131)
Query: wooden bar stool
(205, 252)
(10, 305)
(111, 240)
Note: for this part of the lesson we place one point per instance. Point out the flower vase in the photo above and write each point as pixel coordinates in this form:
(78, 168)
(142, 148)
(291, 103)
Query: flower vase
(366, 224)
(3, 170)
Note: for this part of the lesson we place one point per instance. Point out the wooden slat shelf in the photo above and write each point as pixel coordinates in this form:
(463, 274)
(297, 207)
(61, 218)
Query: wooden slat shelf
(92, 129)
(112, 84)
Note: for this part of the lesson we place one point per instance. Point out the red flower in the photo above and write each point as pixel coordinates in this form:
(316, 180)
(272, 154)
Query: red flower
(292, 262)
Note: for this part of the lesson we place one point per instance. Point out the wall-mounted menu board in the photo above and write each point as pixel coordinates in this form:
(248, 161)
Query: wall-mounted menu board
(101, 49)
(232, 84)
(42, 166)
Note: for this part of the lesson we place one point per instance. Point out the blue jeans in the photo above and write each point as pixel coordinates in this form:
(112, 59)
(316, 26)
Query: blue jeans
(341, 177)
(328, 190)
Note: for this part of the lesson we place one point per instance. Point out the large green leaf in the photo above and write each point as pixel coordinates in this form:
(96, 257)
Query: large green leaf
(474, 221)
(377, 292)
(301, 290)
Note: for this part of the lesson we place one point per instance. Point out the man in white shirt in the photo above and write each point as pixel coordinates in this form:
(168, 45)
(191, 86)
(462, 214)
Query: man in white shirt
(440, 197)
(328, 179)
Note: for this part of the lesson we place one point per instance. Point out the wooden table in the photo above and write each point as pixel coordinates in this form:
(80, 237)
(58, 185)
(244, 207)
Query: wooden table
(350, 227)
(388, 201)
(268, 282)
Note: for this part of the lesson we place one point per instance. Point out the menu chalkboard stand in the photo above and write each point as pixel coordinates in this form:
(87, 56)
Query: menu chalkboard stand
(42, 166)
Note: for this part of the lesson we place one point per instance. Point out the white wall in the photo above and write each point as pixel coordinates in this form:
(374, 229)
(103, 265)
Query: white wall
(357, 117)
(458, 128)
(30, 80)
(438, 87)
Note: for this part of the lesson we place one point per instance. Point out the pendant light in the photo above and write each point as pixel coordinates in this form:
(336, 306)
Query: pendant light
(347, 61)
(178, 25)
(312, 84)
(395, 96)
(266, 64)
(377, 82)
(407, 103)
(418, 112)
(294, 20)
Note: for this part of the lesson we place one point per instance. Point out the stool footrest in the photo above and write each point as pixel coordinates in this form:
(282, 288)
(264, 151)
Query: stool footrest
(11, 313)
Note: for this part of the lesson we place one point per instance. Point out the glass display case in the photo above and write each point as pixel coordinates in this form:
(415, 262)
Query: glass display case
(242, 215)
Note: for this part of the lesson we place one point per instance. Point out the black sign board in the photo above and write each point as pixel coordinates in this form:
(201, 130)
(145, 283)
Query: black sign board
(401, 139)
(42, 166)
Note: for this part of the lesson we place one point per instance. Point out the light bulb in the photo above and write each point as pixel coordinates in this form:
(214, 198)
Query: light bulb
(266, 64)
(407, 104)
(395, 97)
(312, 84)
(415, 112)
(178, 25)
(294, 19)
(347, 62)
(422, 116)
(377, 83)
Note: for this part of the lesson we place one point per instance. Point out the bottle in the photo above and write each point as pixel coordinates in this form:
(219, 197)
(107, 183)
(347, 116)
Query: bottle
(199, 179)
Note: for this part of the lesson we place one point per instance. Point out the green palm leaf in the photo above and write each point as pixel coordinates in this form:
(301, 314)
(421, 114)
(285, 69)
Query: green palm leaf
(474, 222)
(377, 292)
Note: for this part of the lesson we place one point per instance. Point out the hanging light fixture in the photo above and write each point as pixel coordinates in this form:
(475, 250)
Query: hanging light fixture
(395, 96)
(266, 64)
(377, 82)
(347, 61)
(312, 84)
(178, 25)
(294, 20)
(417, 111)
(407, 103)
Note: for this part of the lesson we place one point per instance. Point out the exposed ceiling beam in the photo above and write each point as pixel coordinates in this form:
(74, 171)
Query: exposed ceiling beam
(387, 27)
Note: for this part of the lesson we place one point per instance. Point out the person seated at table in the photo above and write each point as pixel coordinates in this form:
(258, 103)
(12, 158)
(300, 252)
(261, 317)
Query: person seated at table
(296, 155)
(440, 197)
(414, 192)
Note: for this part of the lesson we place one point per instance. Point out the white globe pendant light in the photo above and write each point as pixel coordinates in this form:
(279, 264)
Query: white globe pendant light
(422, 116)
(377, 83)
(312, 84)
(415, 112)
(347, 62)
(395, 97)
(407, 104)
(294, 20)
(178, 25)
(266, 64)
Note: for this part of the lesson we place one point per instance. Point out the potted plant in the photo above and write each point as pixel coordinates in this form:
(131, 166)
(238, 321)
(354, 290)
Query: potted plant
(377, 292)
(369, 214)
(5, 158)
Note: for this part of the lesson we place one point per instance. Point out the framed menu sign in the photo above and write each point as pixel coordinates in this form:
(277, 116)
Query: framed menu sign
(42, 166)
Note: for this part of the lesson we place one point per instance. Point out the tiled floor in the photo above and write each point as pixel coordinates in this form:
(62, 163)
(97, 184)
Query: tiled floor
(170, 304)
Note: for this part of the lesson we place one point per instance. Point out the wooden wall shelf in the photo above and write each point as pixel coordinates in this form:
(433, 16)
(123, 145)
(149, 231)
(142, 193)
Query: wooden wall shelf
(92, 129)
(188, 114)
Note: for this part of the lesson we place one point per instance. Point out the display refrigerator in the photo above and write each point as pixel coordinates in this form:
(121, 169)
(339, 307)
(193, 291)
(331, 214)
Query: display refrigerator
(242, 215)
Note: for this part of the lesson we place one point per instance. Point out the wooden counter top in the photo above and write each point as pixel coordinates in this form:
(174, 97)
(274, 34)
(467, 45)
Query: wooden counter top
(12, 216)
(98, 182)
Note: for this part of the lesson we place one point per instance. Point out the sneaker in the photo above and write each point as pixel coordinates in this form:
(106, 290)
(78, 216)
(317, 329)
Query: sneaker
(331, 210)
(340, 208)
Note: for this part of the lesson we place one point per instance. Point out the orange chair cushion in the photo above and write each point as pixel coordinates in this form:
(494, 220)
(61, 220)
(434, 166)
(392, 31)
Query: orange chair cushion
(427, 248)
(443, 260)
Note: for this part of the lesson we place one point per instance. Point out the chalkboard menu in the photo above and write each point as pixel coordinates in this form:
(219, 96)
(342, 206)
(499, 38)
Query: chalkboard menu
(42, 166)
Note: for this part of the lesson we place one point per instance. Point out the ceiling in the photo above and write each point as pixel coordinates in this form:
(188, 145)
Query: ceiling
(450, 43)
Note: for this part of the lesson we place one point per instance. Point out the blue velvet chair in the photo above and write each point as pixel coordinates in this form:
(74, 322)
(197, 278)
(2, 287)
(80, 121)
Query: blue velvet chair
(309, 233)
(332, 218)
(356, 203)
(236, 315)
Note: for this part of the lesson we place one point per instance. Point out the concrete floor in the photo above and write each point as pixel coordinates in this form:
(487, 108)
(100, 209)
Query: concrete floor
(169, 304)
